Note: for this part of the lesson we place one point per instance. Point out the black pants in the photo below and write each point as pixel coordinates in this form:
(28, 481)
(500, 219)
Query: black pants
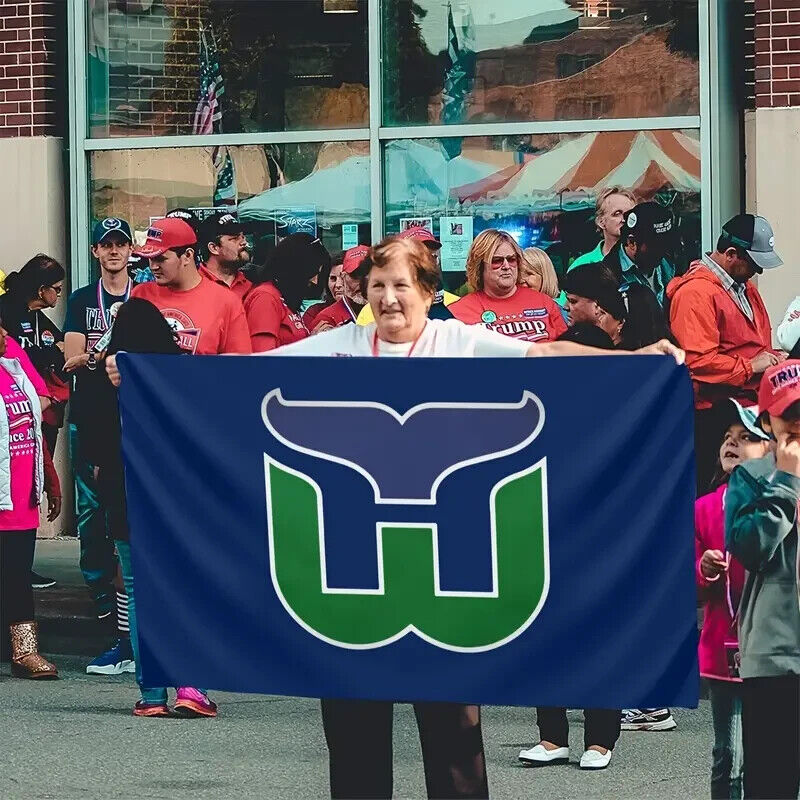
(707, 441)
(16, 594)
(601, 726)
(359, 736)
(771, 737)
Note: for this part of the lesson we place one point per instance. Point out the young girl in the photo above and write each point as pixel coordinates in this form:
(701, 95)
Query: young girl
(720, 580)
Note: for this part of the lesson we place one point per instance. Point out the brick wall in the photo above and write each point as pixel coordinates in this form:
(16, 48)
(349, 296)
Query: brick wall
(777, 53)
(153, 79)
(29, 57)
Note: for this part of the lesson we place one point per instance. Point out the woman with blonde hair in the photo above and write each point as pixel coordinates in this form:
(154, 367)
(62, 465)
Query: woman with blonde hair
(500, 298)
(539, 273)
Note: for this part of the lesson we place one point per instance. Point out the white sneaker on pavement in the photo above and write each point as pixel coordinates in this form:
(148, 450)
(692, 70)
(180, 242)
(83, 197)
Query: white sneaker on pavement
(540, 756)
(593, 759)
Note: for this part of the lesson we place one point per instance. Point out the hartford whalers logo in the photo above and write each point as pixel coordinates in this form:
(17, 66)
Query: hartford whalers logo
(409, 598)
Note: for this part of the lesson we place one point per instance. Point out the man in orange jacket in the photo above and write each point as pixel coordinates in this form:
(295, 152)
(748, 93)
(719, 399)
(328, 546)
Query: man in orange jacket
(718, 317)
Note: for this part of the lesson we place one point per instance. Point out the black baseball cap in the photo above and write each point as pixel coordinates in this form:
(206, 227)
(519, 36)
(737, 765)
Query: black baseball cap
(649, 222)
(187, 216)
(222, 223)
(595, 282)
(755, 235)
(105, 227)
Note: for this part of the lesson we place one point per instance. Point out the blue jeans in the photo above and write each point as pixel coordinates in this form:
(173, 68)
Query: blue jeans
(97, 561)
(149, 695)
(727, 757)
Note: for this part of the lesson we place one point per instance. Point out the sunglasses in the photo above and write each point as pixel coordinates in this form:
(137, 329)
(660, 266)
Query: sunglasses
(56, 289)
(498, 261)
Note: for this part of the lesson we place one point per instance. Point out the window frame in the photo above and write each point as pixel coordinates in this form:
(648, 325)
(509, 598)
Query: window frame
(715, 192)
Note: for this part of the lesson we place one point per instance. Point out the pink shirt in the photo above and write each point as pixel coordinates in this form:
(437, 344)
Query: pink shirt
(720, 595)
(22, 448)
(14, 350)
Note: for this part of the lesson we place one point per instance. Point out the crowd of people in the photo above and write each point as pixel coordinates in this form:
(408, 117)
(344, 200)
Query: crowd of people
(190, 288)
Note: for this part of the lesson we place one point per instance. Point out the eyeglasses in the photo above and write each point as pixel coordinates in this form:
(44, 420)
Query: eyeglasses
(498, 261)
(57, 289)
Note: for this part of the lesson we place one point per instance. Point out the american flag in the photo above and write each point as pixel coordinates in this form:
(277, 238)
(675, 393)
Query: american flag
(208, 116)
(208, 119)
(456, 84)
(225, 189)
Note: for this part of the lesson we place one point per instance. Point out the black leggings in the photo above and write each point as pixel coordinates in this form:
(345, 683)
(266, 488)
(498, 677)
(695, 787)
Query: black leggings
(771, 737)
(601, 727)
(359, 736)
(16, 594)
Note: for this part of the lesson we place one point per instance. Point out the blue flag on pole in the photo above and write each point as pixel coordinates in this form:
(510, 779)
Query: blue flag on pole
(489, 531)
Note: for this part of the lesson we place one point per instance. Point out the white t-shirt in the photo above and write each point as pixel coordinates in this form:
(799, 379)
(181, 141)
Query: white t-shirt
(440, 338)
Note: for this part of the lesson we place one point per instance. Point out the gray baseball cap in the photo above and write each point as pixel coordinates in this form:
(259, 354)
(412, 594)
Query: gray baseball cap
(755, 235)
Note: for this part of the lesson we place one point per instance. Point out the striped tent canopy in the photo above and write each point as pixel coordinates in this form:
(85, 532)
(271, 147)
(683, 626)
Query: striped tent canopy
(572, 173)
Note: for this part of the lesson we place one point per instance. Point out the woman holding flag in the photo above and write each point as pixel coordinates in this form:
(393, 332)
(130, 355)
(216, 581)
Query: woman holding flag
(399, 278)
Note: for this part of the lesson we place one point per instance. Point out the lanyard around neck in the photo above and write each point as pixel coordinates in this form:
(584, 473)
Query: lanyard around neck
(101, 300)
(375, 352)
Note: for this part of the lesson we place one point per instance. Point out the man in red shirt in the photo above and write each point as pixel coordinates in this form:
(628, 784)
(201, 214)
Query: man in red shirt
(208, 319)
(498, 301)
(348, 308)
(222, 237)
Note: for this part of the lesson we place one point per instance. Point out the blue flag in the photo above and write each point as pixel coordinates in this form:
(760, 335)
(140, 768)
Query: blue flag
(468, 530)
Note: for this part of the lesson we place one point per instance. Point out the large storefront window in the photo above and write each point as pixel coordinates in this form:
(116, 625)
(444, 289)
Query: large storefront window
(541, 189)
(283, 64)
(317, 188)
(611, 92)
(524, 60)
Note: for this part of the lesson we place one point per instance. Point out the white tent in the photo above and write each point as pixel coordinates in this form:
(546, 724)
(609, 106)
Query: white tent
(418, 178)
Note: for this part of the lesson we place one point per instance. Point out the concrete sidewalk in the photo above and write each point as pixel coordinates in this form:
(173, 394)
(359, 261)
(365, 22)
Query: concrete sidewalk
(65, 612)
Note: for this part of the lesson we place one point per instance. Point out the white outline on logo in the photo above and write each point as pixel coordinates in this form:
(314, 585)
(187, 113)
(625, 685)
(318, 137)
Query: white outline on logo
(402, 419)
(438, 591)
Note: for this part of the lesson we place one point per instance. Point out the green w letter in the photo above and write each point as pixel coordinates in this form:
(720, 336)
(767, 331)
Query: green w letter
(409, 598)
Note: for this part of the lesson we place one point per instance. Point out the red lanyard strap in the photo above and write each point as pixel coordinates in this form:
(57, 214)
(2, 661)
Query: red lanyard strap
(408, 354)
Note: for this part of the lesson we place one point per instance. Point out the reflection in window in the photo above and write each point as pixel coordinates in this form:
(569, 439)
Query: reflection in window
(283, 65)
(490, 61)
(542, 189)
(319, 188)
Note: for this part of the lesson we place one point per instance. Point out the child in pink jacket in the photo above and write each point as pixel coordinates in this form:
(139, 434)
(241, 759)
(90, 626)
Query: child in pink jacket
(720, 580)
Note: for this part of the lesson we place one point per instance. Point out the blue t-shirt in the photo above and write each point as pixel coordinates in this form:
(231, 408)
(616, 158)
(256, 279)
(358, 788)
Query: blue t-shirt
(84, 315)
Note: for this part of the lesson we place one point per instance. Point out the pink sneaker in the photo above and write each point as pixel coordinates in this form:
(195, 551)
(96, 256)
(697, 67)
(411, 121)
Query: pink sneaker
(193, 703)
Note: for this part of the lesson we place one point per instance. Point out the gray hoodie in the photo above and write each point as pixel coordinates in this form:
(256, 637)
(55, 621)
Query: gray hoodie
(761, 517)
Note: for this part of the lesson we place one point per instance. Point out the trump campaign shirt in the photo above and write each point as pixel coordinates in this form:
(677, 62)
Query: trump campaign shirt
(335, 315)
(22, 448)
(527, 314)
(272, 323)
(207, 319)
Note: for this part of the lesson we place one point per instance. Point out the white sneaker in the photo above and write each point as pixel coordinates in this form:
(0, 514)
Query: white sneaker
(540, 756)
(592, 759)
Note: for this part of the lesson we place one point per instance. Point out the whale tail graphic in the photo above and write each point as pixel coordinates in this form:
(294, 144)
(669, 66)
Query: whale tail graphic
(389, 456)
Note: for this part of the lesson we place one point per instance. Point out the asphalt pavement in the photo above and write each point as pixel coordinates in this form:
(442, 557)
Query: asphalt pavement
(76, 737)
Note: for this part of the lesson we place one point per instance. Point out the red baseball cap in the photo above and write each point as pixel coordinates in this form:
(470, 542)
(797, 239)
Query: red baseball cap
(423, 234)
(166, 234)
(780, 387)
(353, 258)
